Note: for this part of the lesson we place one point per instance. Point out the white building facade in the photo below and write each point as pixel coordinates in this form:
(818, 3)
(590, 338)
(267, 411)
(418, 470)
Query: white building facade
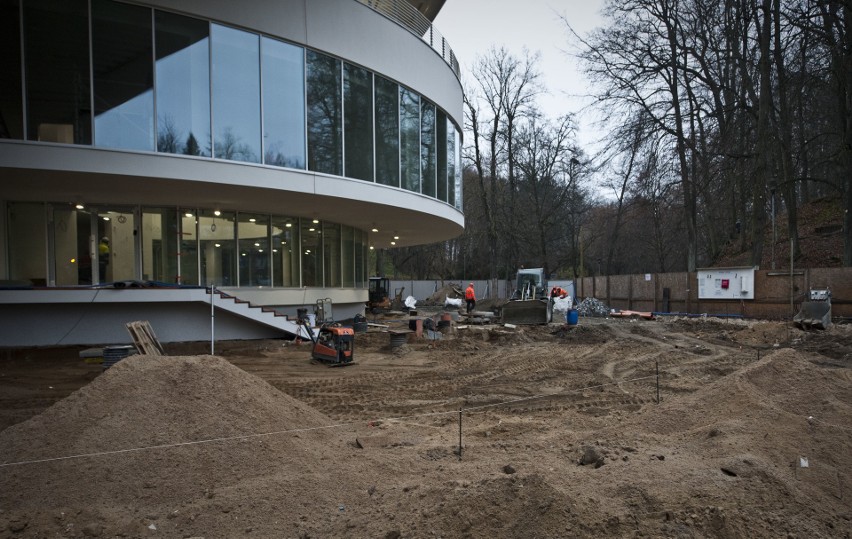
(154, 152)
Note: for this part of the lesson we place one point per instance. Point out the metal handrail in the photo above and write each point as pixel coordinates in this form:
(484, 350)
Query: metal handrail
(415, 22)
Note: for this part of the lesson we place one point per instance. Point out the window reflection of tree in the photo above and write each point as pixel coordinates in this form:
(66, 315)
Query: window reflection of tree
(387, 132)
(324, 111)
(229, 147)
(170, 139)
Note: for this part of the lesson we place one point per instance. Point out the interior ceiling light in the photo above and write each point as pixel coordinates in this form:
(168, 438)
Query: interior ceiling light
(396, 237)
(316, 221)
(217, 245)
(257, 244)
(79, 206)
(393, 243)
(371, 247)
(311, 229)
(217, 213)
(188, 214)
(106, 218)
(289, 225)
(275, 250)
(252, 220)
(375, 229)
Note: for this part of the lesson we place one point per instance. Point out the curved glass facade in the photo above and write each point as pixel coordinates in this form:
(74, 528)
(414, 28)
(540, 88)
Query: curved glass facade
(116, 75)
(71, 245)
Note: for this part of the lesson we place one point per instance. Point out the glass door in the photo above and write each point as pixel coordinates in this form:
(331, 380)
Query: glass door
(115, 233)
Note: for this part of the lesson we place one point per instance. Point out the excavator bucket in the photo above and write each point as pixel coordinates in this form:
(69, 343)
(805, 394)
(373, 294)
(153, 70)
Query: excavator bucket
(815, 314)
(527, 312)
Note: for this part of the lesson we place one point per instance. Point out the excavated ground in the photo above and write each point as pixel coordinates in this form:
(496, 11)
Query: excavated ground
(561, 432)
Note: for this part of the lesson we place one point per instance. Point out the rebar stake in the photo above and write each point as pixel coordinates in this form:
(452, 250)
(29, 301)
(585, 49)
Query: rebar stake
(460, 433)
(657, 366)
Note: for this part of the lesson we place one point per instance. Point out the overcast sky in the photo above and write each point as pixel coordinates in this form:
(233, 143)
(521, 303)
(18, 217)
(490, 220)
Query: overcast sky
(473, 26)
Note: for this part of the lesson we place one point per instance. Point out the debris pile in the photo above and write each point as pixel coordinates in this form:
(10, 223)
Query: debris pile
(592, 307)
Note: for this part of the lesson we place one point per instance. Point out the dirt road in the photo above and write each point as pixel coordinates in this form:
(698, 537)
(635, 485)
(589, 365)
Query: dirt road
(561, 433)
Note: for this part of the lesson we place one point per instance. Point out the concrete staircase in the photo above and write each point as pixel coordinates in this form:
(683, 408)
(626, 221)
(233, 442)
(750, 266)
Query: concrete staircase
(262, 315)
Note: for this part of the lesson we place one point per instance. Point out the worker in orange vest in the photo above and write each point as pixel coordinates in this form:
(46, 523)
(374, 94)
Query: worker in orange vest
(558, 292)
(470, 297)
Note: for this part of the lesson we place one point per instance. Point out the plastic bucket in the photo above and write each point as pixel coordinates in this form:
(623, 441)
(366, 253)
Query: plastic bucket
(572, 317)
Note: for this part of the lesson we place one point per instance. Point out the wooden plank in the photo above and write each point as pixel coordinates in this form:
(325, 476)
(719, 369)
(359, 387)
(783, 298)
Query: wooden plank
(144, 338)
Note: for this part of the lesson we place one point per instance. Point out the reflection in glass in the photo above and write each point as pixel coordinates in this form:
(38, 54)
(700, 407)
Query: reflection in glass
(458, 175)
(441, 147)
(188, 257)
(183, 84)
(285, 251)
(283, 74)
(311, 236)
(116, 249)
(387, 132)
(11, 103)
(236, 94)
(216, 248)
(159, 244)
(347, 261)
(73, 247)
(56, 43)
(27, 242)
(358, 122)
(331, 251)
(427, 148)
(254, 249)
(324, 110)
(409, 139)
(123, 74)
(361, 249)
(451, 163)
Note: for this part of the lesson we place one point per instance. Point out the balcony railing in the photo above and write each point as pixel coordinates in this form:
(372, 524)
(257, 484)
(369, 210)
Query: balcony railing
(415, 22)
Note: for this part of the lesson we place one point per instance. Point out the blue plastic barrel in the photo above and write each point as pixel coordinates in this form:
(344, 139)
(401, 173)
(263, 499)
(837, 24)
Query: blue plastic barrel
(572, 317)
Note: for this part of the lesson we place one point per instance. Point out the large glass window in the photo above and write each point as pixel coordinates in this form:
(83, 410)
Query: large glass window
(236, 94)
(116, 249)
(325, 148)
(387, 132)
(409, 139)
(361, 258)
(458, 172)
(183, 84)
(11, 103)
(56, 46)
(427, 148)
(358, 122)
(347, 262)
(123, 70)
(331, 254)
(74, 246)
(283, 75)
(27, 239)
(216, 248)
(441, 147)
(311, 236)
(188, 254)
(160, 244)
(451, 163)
(254, 250)
(285, 251)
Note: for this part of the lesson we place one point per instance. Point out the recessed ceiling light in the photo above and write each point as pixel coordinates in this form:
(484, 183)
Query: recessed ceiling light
(288, 225)
(375, 229)
(252, 220)
(217, 213)
(257, 244)
(316, 221)
(79, 206)
(217, 245)
(393, 243)
(396, 237)
(188, 214)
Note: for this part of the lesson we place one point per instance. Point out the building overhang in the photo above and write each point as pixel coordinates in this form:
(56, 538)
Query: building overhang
(80, 174)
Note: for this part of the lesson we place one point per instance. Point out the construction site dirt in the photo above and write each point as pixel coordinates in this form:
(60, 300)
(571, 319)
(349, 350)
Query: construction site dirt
(676, 427)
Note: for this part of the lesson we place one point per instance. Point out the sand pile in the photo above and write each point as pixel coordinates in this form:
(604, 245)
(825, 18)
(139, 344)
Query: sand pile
(145, 402)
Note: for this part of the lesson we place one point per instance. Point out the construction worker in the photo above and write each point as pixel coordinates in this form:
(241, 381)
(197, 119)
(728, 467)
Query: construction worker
(470, 297)
(103, 258)
(558, 292)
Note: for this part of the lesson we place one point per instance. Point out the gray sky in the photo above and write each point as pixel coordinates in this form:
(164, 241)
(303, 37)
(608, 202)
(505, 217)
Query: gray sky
(473, 26)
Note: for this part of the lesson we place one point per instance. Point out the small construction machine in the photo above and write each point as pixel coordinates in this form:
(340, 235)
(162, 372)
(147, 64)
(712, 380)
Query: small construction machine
(530, 302)
(379, 297)
(334, 344)
(816, 312)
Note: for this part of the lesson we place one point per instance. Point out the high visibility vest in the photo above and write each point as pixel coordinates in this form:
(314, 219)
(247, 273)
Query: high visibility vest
(469, 294)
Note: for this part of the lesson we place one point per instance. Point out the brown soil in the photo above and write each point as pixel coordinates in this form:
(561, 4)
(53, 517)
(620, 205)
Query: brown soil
(562, 436)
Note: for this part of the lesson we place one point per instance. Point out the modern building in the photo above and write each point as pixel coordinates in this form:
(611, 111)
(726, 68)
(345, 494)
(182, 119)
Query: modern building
(213, 166)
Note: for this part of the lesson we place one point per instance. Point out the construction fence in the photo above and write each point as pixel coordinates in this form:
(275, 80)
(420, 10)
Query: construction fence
(777, 293)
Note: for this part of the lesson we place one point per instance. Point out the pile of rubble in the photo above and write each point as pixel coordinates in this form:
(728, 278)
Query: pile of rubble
(592, 307)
